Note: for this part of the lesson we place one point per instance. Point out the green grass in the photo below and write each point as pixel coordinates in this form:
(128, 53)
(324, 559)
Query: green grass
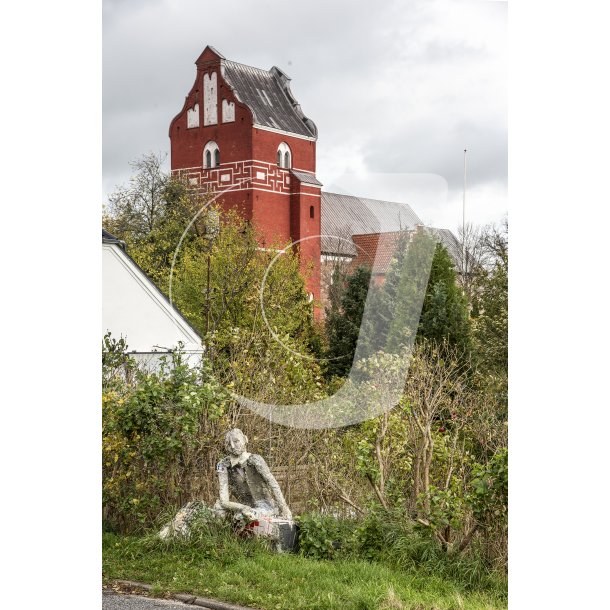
(244, 572)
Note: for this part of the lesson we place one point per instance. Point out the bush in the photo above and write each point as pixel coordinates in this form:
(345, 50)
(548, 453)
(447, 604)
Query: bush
(152, 428)
(391, 539)
(324, 536)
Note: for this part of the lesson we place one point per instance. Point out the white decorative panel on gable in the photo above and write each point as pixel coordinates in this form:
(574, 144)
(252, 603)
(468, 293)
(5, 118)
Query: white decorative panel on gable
(192, 117)
(210, 99)
(228, 111)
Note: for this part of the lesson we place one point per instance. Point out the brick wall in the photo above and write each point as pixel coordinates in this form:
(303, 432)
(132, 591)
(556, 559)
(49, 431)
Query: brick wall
(282, 209)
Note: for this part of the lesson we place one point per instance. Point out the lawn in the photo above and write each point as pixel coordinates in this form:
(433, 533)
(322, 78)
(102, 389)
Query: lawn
(268, 581)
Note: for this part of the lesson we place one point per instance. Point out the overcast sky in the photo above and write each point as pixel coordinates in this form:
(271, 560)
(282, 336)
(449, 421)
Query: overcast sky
(394, 86)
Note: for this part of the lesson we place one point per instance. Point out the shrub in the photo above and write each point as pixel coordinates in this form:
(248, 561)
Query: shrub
(152, 428)
(324, 536)
(389, 538)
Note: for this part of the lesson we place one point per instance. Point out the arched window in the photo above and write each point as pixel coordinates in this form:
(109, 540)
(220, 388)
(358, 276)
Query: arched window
(284, 156)
(211, 155)
(311, 211)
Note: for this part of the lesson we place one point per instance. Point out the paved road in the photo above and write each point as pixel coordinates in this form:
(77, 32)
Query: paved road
(117, 601)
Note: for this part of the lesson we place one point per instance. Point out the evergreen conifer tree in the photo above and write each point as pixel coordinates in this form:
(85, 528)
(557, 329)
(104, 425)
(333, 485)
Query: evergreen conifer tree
(445, 317)
(343, 322)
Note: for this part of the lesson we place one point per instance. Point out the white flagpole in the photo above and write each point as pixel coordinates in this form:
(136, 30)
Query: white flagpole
(464, 221)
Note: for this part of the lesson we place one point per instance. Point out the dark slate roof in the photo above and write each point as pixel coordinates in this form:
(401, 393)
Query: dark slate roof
(268, 95)
(344, 215)
(306, 177)
(451, 243)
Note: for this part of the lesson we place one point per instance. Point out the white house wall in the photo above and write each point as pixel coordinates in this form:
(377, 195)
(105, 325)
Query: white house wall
(133, 308)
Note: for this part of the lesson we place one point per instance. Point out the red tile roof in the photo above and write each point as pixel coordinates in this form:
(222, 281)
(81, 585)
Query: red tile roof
(375, 250)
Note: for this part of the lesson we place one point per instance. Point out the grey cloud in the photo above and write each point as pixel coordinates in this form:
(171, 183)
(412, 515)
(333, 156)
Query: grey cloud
(407, 83)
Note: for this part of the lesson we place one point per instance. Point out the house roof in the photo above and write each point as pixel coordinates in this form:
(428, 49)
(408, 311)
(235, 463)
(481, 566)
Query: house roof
(267, 94)
(344, 215)
(108, 238)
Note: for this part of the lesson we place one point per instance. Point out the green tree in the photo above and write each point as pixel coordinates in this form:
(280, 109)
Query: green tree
(232, 296)
(492, 323)
(441, 317)
(135, 209)
(421, 279)
(343, 322)
(407, 280)
(383, 324)
(261, 344)
(445, 318)
(153, 214)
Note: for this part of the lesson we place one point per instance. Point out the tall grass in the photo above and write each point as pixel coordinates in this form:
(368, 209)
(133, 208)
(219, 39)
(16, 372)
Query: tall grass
(215, 563)
(346, 558)
(209, 538)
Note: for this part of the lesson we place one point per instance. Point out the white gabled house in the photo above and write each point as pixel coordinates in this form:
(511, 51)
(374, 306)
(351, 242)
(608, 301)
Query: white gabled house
(135, 309)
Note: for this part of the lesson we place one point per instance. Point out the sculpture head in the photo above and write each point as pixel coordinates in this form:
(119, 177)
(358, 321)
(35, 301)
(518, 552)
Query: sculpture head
(235, 442)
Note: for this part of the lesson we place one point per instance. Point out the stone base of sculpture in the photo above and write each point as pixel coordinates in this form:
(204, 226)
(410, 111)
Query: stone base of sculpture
(282, 533)
(180, 525)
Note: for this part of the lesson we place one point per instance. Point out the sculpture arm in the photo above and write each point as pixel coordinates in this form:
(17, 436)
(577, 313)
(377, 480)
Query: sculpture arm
(273, 485)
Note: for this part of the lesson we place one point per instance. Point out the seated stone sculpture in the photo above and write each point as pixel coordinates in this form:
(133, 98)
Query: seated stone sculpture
(258, 507)
(248, 479)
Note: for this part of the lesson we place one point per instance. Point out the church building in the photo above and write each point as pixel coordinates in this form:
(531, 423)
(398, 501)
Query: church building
(242, 133)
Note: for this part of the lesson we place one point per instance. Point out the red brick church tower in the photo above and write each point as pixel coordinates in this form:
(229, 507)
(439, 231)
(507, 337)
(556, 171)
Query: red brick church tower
(241, 132)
